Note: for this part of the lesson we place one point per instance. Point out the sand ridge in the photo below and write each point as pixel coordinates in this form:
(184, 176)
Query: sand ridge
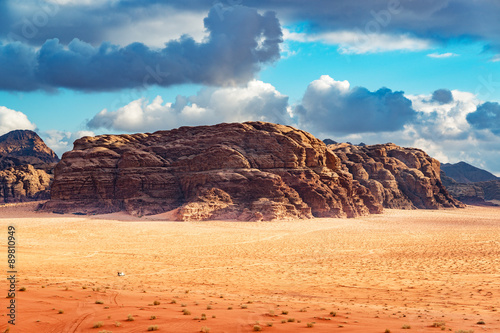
(379, 272)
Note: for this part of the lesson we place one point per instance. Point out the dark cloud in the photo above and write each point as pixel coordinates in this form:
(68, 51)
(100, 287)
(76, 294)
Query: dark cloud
(438, 20)
(330, 106)
(240, 40)
(486, 116)
(442, 96)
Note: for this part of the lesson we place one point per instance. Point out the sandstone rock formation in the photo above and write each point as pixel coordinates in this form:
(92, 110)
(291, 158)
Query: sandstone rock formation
(23, 183)
(405, 178)
(474, 193)
(250, 171)
(22, 147)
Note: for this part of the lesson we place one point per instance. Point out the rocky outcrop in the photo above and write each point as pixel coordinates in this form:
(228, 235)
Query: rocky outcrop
(478, 193)
(405, 178)
(250, 171)
(23, 183)
(22, 147)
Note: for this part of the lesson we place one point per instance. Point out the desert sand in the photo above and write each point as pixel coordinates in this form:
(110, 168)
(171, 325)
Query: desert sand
(420, 268)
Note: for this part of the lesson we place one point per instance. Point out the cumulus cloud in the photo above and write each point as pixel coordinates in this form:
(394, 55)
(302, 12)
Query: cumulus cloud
(62, 141)
(487, 116)
(14, 120)
(256, 101)
(331, 106)
(239, 41)
(442, 96)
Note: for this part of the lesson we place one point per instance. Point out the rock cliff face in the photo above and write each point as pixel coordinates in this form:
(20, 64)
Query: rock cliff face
(477, 193)
(250, 171)
(23, 183)
(405, 178)
(21, 147)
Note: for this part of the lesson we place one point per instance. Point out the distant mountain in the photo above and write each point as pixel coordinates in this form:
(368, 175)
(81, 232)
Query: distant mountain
(22, 147)
(463, 172)
(470, 184)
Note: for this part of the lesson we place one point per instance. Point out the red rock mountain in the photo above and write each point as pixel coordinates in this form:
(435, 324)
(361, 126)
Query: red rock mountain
(250, 171)
(24, 183)
(405, 178)
(21, 147)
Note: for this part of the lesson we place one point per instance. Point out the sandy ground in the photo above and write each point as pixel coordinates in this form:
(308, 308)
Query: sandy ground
(377, 273)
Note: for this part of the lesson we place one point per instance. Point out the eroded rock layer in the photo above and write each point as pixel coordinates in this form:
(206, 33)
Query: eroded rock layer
(23, 183)
(404, 178)
(250, 171)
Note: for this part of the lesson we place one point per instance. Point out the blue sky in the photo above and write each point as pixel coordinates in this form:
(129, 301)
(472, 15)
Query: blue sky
(348, 70)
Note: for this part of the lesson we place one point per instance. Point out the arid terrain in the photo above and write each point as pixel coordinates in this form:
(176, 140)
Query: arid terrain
(416, 268)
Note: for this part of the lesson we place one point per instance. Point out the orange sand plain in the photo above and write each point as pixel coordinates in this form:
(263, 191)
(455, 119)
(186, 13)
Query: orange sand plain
(380, 272)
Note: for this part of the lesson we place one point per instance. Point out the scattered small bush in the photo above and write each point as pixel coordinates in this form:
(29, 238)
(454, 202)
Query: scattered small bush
(310, 325)
(152, 318)
(22, 289)
(130, 318)
(303, 310)
(291, 320)
(257, 328)
(438, 324)
(481, 322)
(118, 324)
(173, 301)
(98, 324)
(283, 321)
(229, 307)
(205, 329)
(156, 303)
(244, 306)
(60, 311)
(153, 328)
(284, 312)
(333, 313)
(183, 305)
(406, 327)
(269, 324)
(186, 312)
(99, 302)
(387, 330)
(209, 307)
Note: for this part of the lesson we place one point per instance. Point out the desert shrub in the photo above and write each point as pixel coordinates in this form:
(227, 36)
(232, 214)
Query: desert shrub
(156, 303)
(406, 327)
(244, 306)
(130, 318)
(209, 307)
(22, 289)
(152, 318)
(310, 325)
(205, 329)
(284, 312)
(60, 311)
(186, 312)
(481, 322)
(257, 328)
(98, 324)
(99, 302)
(291, 320)
(153, 328)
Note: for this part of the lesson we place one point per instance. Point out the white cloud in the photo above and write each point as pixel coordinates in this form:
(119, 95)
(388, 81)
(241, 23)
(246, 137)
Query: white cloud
(157, 25)
(61, 141)
(358, 42)
(255, 101)
(495, 58)
(12, 120)
(442, 55)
